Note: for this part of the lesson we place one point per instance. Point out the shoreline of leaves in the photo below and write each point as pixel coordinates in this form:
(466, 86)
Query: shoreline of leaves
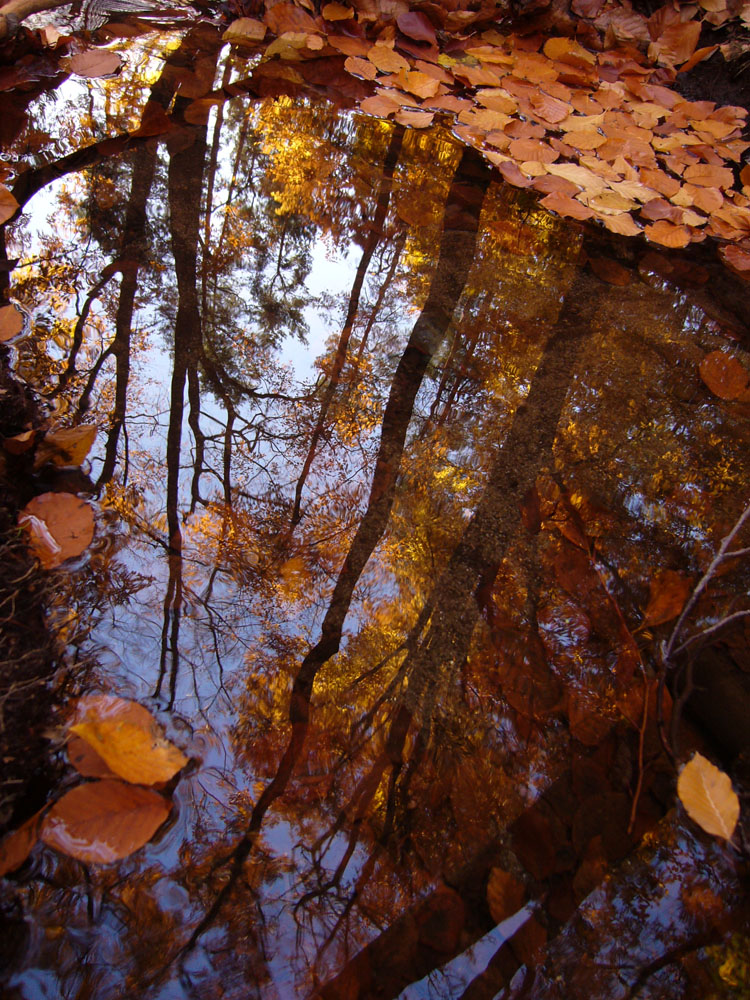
(120, 745)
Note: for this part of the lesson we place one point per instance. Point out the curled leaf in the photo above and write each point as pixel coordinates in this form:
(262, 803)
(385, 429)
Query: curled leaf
(708, 797)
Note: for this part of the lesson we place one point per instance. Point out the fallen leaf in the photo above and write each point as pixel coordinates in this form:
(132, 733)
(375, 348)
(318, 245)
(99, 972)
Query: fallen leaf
(67, 446)
(667, 595)
(706, 175)
(724, 375)
(416, 25)
(245, 30)
(60, 526)
(11, 323)
(86, 760)
(16, 846)
(610, 271)
(708, 797)
(95, 63)
(415, 119)
(128, 739)
(676, 44)
(667, 235)
(379, 105)
(622, 224)
(283, 17)
(8, 206)
(736, 258)
(505, 895)
(386, 59)
(19, 443)
(103, 821)
(566, 206)
(336, 12)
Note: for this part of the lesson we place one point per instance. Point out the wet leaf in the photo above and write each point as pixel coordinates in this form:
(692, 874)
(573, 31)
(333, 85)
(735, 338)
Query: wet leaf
(95, 63)
(128, 739)
(336, 12)
(417, 26)
(67, 446)
(60, 526)
(566, 206)
(16, 846)
(724, 375)
(667, 235)
(19, 443)
(667, 595)
(415, 119)
(86, 760)
(283, 17)
(358, 66)
(245, 30)
(8, 207)
(622, 224)
(103, 821)
(708, 797)
(610, 271)
(11, 323)
(505, 895)
(736, 258)
(386, 59)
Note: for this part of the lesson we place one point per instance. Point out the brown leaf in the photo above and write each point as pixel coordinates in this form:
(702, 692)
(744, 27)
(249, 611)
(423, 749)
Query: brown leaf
(245, 31)
(420, 84)
(609, 270)
(707, 175)
(736, 258)
(86, 760)
(19, 443)
(8, 207)
(288, 17)
(358, 66)
(336, 12)
(11, 323)
(128, 739)
(386, 59)
(60, 526)
(667, 235)
(103, 821)
(66, 446)
(16, 846)
(417, 26)
(505, 895)
(724, 375)
(667, 595)
(708, 797)
(622, 224)
(566, 206)
(676, 44)
(379, 105)
(95, 63)
(415, 119)
(532, 149)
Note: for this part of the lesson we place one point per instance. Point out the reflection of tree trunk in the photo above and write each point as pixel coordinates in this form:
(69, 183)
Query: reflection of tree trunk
(434, 664)
(456, 255)
(334, 378)
(132, 255)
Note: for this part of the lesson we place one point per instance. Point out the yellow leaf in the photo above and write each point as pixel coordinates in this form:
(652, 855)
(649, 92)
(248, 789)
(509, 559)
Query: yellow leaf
(128, 739)
(67, 446)
(708, 797)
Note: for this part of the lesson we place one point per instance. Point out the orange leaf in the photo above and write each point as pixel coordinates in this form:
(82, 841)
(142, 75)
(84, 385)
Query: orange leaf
(667, 235)
(288, 17)
(609, 270)
(708, 797)
(505, 895)
(60, 526)
(532, 149)
(336, 12)
(676, 44)
(724, 375)
(667, 595)
(67, 446)
(11, 322)
(566, 206)
(103, 821)
(16, 846)
(8, 204)
(86, 760)
(736, 258)
(420, 84)
(415, 119)
(707, 175)
(360, 67)
(386, 59)
(379, 105)
(245, 30)
(128, 739)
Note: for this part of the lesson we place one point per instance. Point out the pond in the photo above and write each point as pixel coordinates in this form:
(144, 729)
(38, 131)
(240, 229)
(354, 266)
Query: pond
(376, 571)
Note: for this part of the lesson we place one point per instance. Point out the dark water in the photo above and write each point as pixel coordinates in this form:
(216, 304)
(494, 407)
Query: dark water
(385, 478)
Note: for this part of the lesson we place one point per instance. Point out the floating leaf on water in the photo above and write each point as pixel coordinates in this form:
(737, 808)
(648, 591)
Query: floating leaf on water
(8, 206)
(245, 30)
(358, 66)
(505, 895)
(667, 235)
(103, 821)
(667, 595)
(86, 760)
(708, 797)
(724, 375)
(66, 446)
(95, 63)
(16, 846)
(60, 526)
(610, 271)
(11, 322)
(128, 739)
(386, 59)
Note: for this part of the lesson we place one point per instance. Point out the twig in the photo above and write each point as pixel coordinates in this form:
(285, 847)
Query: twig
(641, 741)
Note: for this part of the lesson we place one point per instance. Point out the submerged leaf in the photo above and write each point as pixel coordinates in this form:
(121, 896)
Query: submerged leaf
(16, 846)
(8, 204)
(95, 63)
(724, 375)
(129, 740)
(708, 797)
(67, 446)
(103, 821)
(11, 321)
(666, 597)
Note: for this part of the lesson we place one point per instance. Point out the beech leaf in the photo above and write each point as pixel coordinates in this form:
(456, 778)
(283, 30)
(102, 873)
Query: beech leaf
(16, 846)
(129, 740)
(60, 526)
(8, 205)
(666, 597)
(11, 320)
(103, 821)
(708, 797)
(95, 63)
(724, 375)
(66, 446)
